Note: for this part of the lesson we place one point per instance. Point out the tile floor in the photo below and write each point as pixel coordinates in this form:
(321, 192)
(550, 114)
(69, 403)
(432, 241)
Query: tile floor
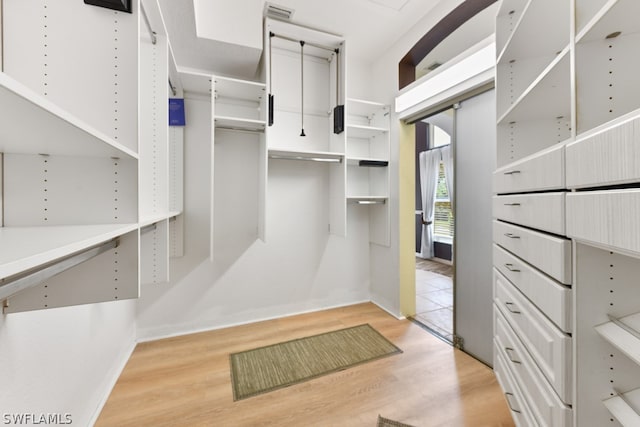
(434, 302)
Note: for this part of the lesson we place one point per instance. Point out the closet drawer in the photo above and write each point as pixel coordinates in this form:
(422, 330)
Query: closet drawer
(548, 347)
(542, 171)
(519, 410)
(550, 254)
(608, 155)
(552, 298)
(544, 403)
(604, 218)
(541, 211)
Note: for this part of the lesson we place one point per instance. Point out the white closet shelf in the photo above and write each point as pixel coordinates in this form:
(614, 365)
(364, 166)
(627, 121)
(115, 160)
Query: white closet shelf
(548, 97)
(616, 15)
(553, 39)
(620, 407)
(195, 81)
(318, 156)
(362, 131)
(360, 107)
(47, 244)
(623, 334)
(238, 123)
(239, 89)
(31, 124)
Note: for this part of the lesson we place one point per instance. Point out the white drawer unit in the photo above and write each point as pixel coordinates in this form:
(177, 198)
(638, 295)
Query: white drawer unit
(608, 155)
(550, 254)
(549, 296)
(540, 211)
(519, 410)
(544, 403)
(604, 219)
(546, 344)
(541, 171)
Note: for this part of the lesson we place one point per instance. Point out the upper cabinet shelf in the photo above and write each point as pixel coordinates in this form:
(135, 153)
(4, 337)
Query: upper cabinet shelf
(239, 104)
(615, 16)
(366, 118)
(194, 81)
(31, 124)
(508, 16)
(550, 40)
(238, 89)
(362, 131)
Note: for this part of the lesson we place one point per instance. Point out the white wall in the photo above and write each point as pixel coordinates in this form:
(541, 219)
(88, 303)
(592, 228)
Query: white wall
(300, 267)
(65, 360)
(385, 279)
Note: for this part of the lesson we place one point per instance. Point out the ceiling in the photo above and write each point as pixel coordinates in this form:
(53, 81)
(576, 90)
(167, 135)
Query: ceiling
(370, 26)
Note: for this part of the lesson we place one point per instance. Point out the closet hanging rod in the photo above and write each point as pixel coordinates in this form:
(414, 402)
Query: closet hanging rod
(12, 287)
(154, 39)
(238, 129)
(319, 46)
(370, 202)
(172, 87)
(148, 228)
(310, 159)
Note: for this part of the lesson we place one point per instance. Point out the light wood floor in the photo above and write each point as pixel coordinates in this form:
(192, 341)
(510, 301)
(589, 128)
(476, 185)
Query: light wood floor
(185, 381)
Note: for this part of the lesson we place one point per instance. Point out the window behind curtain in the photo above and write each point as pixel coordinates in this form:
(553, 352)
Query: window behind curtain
(443, 217)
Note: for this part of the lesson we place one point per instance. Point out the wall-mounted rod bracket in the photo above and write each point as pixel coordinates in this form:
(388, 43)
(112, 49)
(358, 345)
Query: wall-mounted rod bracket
(148, 228)
(154, 39)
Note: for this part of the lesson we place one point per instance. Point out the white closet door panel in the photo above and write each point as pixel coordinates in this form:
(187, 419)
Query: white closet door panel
(607, 156)
(515, 400)
(59, 190)
(542, 171)
(547, 345)
(550, 254)
(546, 406)
(111, 276)
(540, 211)
(603, 218)
(549, 296)
(46, 40)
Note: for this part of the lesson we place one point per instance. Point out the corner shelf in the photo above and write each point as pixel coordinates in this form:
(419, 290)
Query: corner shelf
(31, 124)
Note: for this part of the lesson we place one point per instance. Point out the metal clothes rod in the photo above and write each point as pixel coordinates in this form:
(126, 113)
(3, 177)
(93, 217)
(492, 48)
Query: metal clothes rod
(311, 159)
(12, 287)
(173, 88)
(237, 129)
(148, 228)
(371, 202)
(319, 46)
(154, 39)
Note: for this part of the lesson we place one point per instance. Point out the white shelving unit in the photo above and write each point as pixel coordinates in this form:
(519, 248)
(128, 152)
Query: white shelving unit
(580, 133)
(367, 156)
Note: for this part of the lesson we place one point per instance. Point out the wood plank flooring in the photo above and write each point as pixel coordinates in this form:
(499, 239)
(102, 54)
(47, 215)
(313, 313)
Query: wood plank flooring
(185, 381)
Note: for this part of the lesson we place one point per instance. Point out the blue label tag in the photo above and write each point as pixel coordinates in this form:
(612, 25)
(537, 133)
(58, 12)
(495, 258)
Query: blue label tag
(176, 112)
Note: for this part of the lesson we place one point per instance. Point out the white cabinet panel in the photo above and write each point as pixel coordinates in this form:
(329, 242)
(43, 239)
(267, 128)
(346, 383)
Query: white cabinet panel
(608, 155)
(547, 345)
(544, 403)
(550, 254)
(603, 218)
(548, 295)
(542, 171)
(541, 211)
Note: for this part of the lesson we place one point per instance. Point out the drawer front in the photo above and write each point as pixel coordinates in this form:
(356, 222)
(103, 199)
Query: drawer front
(544, 403)
(550, 254)
(540, 211)
(603, 218)
(543, 171)
(611, 156)
(519, 410)
(553, 299)
(547, 345)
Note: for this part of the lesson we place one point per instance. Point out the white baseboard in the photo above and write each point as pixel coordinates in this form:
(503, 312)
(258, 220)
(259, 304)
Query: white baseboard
(390, 312)
(179, 330)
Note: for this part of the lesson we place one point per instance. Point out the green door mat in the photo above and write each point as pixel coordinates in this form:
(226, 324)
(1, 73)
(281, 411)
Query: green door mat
(276, 366)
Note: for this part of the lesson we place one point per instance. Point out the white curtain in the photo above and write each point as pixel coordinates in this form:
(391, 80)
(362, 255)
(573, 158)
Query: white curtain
(447, 159)
(429, 163)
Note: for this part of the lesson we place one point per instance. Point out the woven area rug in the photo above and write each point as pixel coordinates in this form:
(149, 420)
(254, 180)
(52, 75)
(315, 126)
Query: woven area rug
(434, 266)
(384, 422)
(276, 366)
